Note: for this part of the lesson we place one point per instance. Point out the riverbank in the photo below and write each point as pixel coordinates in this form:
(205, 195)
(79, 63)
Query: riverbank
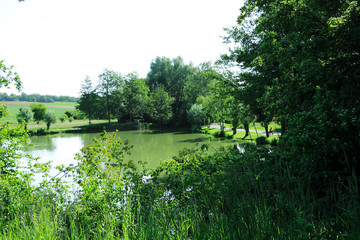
(82, 126)
(254, 133)
(196, 195)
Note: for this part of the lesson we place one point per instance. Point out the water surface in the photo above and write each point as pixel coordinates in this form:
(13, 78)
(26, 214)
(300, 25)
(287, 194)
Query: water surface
(151, 147)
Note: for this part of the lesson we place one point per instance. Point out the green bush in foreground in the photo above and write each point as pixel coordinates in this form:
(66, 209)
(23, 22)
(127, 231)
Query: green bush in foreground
(227, 195)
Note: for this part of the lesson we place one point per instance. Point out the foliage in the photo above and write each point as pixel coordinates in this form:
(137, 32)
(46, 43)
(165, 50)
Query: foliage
(161, 102)
(8, 76)
(36, 98)
(88, 99)
(63, 118)
(299, 66)
(25, 115)
(16, 168)
(196, 115)
(172, 75)
(261, 140)
(135, 98)
(49, 118)
(39, 111)
(109, 82)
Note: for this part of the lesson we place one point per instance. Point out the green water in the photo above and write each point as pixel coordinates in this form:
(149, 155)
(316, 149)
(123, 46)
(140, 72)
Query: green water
(150, 147)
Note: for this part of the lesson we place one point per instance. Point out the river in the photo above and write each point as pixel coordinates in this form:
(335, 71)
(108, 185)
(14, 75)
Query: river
(152, 147)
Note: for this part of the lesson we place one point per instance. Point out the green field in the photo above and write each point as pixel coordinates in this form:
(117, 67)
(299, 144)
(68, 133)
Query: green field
(59, 108)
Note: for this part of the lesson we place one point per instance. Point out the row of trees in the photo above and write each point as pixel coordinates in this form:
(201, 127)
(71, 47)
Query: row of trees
(173, 93)
(165, 96)
(38, 112)
(36, 98)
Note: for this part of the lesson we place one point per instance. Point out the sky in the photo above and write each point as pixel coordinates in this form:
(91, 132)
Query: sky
(54, 44)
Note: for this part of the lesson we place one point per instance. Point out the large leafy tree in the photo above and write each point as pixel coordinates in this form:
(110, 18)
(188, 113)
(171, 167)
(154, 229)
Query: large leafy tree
(172, 75)
(49, 118)
(160, 103)
(39, 111)
(109, 82)
(88, 99)
(198, 83)
(300, 64)
(24, 115)
(135, 98)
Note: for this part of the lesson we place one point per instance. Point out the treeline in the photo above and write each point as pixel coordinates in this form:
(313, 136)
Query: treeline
(164, 97)
(173, 93)
(23, 97)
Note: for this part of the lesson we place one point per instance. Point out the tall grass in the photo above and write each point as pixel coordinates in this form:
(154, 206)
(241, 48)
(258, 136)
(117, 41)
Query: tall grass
(227, 195)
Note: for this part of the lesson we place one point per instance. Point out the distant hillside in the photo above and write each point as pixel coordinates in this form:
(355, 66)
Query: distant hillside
(23, 97)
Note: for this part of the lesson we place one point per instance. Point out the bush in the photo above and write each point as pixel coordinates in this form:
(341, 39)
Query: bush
(274, 142)
(261, 140)
(220, 134)
(195, 129)
(63, 118)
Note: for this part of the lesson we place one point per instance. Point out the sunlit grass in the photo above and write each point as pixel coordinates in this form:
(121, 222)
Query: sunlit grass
(59, 108)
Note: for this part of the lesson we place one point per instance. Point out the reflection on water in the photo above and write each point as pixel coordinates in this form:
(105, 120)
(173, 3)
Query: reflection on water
(149, 147)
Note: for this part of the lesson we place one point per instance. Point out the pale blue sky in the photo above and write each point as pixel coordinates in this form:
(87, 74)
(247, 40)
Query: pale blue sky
(54, 44)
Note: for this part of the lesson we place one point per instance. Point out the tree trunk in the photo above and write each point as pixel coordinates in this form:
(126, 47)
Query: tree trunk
(266, 126)
(234, 130)
(247, 131)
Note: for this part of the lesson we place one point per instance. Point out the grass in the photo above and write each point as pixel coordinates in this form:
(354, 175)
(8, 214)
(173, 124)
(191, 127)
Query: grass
(222, 196)
(59, 108)
(239, 136)
(69, 104)
(276, 127)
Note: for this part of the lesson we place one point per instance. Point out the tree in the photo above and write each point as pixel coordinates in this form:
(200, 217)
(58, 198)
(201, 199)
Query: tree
(109, 82)
(196, 115)
(24, 115)
(161, 105)
(172, 75)
(135, 98)
(299, 67)
(39, 111)
(49, 118)
(198, 83)
(88, 97)
(8, 76)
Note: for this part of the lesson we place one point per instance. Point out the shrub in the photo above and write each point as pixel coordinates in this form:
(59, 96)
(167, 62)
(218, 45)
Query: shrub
(261, 140)
(220, 134)
(63, 118)
(273, 142)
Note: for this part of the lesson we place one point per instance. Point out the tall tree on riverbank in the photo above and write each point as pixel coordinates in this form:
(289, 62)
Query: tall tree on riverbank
(88, 99)
(172, 75)
(109, 82)
(135, 98)
(160, 103)
(300, 65)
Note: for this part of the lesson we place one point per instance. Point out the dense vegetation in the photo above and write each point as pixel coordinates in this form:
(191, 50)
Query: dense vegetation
(164, 97)
(299, 63)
